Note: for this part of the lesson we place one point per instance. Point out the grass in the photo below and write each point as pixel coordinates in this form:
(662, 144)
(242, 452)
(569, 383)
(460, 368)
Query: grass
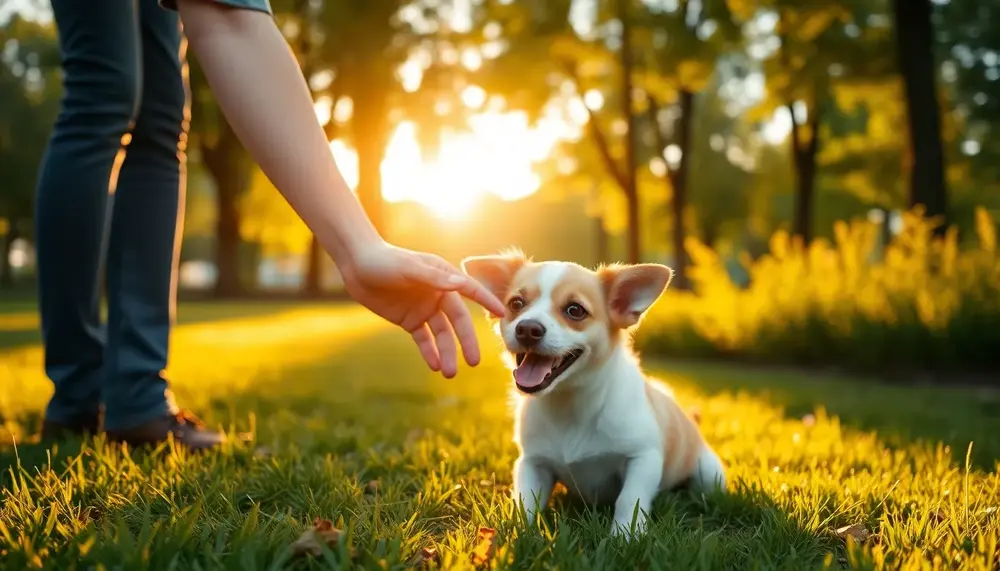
(336, 400)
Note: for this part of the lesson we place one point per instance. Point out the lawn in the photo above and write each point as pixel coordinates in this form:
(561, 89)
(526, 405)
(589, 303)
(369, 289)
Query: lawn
(349, 426)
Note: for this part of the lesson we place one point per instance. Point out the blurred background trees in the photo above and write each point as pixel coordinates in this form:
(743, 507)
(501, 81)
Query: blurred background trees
(590, 130)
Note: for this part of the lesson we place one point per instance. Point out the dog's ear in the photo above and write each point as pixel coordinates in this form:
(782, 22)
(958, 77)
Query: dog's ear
(495, 272)
(631, 290)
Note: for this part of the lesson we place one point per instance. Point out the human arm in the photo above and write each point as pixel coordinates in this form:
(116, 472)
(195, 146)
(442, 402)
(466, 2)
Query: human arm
(265, 99)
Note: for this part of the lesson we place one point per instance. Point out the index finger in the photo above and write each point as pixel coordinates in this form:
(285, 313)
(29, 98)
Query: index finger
(480, 294)
(468, 287)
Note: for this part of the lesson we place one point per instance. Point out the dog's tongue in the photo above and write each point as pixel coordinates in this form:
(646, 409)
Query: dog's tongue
(532, 370)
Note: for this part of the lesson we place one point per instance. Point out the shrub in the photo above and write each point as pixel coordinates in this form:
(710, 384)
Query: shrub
(926, 305)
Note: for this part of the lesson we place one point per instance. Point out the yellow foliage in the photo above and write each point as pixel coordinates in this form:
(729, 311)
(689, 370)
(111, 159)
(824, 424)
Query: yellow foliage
(267, 219)
(924, 303)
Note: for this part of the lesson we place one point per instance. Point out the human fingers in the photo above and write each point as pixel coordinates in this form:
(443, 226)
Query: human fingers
(458, 314)
(467, 286)
(428, 350)
(425, 270)
(444, 337)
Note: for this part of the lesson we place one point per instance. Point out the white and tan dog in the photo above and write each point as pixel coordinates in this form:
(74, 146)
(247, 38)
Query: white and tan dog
(587, 415)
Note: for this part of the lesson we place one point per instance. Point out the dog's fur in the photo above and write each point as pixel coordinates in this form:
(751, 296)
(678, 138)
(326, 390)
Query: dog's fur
(600, 427)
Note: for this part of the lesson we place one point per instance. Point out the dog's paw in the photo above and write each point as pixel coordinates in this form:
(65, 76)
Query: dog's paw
(627, 529)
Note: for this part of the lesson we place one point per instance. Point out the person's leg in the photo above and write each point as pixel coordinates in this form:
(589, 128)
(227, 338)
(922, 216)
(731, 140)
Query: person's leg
(99, 43)
(144, 245)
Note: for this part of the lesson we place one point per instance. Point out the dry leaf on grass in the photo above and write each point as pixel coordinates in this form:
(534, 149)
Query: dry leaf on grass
(427, 557)
(858, 531)
(486, 546)
(311, 541)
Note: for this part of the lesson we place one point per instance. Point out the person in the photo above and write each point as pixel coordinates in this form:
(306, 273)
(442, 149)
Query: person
(114, 173)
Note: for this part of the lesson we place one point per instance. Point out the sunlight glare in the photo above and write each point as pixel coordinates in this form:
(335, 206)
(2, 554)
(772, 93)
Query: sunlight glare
(496, 157)
(473, 96)
(593, 99)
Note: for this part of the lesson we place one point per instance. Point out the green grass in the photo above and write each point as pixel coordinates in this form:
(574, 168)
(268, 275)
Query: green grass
(335, 400)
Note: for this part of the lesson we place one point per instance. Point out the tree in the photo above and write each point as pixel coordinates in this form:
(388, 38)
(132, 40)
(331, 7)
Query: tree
(231, 168)
(30, 93)
(915, 37)
(544, 53)
(682, 46)
(813, 50)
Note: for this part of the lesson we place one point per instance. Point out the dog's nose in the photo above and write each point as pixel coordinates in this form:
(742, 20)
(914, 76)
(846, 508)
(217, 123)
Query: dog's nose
(529, 332)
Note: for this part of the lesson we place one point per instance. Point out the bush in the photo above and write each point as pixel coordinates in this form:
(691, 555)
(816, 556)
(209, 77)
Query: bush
(926, 305)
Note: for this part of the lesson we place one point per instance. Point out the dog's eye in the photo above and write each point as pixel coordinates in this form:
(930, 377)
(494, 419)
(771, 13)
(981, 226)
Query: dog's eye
(515, 304)
(575, 311)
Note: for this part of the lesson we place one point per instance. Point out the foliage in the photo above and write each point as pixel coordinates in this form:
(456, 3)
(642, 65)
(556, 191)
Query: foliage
(30, 91)
(926, 306)
(335, 400)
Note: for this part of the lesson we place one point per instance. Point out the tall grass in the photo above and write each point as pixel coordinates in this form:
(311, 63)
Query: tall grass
(925, 304)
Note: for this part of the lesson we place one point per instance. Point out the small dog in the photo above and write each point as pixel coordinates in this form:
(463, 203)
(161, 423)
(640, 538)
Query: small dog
(587, 416)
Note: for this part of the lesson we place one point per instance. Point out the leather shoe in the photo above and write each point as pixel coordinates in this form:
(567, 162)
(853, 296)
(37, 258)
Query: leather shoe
(188, 430)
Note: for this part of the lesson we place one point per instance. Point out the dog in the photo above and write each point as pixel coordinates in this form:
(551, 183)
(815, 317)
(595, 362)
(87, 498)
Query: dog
(586, 414)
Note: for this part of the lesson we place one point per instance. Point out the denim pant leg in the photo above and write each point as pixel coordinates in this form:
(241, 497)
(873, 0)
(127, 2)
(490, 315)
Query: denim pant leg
(146, 229)
(99, 43)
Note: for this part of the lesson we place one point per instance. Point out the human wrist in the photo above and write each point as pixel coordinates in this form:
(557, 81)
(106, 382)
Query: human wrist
(349, 237)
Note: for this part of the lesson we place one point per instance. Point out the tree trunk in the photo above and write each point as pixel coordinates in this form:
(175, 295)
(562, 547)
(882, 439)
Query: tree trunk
(914, 40)
(371, 126)
(804, 162)
(227, 240)
(679, 182)
(313, 284)
(601, 240)
(633, 232)
(6, 271)
(227, 163)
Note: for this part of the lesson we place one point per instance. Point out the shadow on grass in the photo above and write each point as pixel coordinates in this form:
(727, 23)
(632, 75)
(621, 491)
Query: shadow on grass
(901, 414)
(742, 529)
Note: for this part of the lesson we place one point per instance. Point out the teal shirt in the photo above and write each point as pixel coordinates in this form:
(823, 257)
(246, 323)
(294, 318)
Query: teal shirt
(258, 5)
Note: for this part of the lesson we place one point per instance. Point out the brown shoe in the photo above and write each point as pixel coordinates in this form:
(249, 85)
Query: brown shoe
(86, 426)
(188, 430)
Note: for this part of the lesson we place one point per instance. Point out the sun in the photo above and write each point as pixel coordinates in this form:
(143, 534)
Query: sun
(496, 156)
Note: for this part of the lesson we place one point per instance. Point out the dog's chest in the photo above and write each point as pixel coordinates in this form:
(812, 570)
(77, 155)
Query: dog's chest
(590, 460)
(597, 479)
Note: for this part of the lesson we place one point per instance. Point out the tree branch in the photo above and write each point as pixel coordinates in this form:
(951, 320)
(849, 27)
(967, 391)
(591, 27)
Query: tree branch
(600, 140)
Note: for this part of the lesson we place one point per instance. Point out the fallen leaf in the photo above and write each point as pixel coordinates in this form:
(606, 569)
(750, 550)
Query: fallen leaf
(858, 531)
(311, 541)
(428, 556)
(90, 513)
(372, 487)
(486, 545)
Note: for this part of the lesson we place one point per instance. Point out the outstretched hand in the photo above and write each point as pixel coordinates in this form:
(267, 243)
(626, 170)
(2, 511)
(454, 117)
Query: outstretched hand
(422, 293)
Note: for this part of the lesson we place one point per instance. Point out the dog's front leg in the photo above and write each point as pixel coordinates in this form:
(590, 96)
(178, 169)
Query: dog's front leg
(532, 486)
(643, 473)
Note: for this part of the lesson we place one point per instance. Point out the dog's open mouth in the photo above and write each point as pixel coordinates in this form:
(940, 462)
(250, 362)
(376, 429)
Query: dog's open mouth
(536, 372)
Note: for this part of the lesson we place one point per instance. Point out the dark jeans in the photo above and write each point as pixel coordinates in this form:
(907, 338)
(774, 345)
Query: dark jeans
(110, 195)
